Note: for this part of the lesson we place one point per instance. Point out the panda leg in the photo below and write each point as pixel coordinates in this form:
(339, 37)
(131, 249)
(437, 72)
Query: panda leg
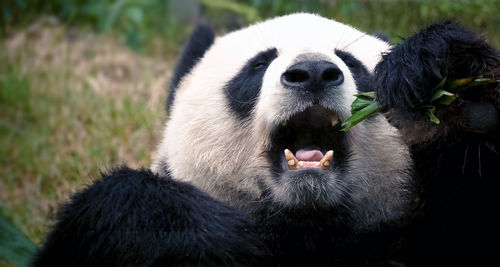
(135, 218)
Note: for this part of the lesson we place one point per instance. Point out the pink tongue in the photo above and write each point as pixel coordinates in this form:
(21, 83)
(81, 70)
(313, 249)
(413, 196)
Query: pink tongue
(308, 155)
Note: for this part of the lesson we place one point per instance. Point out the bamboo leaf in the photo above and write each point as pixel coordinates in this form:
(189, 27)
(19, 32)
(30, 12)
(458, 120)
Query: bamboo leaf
(456, 84)
(367, 95)
(430, 111)
(446, 99)
(477, 82)
(361, 115)
(359, 103)
(441, 84)
(440, 93)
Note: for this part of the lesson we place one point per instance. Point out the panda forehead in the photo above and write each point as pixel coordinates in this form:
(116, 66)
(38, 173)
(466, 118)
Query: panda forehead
(294, 34)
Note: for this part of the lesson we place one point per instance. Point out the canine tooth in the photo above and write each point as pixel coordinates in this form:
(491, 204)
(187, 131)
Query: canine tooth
(291, 159)
(334, 119)
(284, 123)
(325, 162)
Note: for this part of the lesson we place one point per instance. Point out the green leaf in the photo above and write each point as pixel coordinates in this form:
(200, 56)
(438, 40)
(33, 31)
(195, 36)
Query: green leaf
(440, 93)
(362, 114)
(478, 82)
(430, 111)
(359, 103)
(446, 99)
(484, 80)
(441, 84)
(14, 246)
(366, 95)
(457, 84)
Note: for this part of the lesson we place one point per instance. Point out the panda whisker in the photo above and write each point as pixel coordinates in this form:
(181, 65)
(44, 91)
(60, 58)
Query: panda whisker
(355, 40)
(276, 212)
(237, 100)
(341, 38)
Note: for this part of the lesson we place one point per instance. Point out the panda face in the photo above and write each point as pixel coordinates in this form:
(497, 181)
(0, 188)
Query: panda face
(286, 85)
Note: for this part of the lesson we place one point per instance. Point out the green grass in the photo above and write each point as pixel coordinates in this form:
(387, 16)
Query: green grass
(65, 116)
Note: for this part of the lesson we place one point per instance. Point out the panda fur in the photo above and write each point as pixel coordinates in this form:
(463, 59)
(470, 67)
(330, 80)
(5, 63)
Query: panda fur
(400, 190)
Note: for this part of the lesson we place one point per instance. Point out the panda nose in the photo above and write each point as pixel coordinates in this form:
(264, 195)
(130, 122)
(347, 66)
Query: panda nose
(313, 76)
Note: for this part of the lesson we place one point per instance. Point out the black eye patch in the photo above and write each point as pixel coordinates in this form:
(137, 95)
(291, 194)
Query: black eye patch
(362, 77)
(243, 89)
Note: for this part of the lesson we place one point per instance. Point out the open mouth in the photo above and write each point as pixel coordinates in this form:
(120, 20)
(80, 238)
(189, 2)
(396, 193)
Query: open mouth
(309, 139)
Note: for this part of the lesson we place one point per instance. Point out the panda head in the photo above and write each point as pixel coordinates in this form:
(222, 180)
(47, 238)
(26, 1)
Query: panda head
(284, 84)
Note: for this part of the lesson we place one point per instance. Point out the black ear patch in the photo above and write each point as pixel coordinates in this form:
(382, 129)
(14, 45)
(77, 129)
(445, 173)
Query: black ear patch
(244, 88)
(201, 39)
(381, 36)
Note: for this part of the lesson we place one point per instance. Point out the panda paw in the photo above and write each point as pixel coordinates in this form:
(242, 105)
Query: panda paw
(408, 75)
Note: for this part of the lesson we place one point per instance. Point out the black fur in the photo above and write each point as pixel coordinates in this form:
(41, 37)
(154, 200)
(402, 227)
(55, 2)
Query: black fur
(242, 91)
(456, 168)
(322, 235)
(382, 36)
(199, 42)
(408, 74)
(135, 218)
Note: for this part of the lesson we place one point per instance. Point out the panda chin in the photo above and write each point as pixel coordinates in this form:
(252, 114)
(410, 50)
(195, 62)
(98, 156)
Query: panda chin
(308, 140)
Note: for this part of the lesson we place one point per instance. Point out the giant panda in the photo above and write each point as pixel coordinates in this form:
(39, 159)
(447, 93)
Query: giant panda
(253, 168)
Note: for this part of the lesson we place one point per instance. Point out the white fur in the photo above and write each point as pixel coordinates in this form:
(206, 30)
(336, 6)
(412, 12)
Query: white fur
(206, 145)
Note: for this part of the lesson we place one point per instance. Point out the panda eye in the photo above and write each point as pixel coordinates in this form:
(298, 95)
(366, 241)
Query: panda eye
(262, 60)
(259, 65)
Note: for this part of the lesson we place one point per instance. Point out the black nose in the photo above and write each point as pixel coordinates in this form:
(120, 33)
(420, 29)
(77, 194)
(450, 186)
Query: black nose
(312, 76)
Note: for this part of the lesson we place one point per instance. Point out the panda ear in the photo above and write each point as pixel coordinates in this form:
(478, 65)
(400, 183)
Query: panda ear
(199, 42)
(381, 35)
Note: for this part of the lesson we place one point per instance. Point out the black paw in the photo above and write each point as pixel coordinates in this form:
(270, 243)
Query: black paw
(407, 76)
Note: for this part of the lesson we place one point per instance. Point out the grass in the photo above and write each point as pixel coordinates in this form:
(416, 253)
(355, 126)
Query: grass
(69, 109)
(82, 91)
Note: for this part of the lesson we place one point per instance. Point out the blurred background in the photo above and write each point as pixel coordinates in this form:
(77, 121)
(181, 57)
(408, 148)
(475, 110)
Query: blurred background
(83, 84)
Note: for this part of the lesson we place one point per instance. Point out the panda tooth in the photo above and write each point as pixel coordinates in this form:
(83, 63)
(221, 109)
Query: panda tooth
(291, 160)
(334, 119)
(325, 162)
(284, 123)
